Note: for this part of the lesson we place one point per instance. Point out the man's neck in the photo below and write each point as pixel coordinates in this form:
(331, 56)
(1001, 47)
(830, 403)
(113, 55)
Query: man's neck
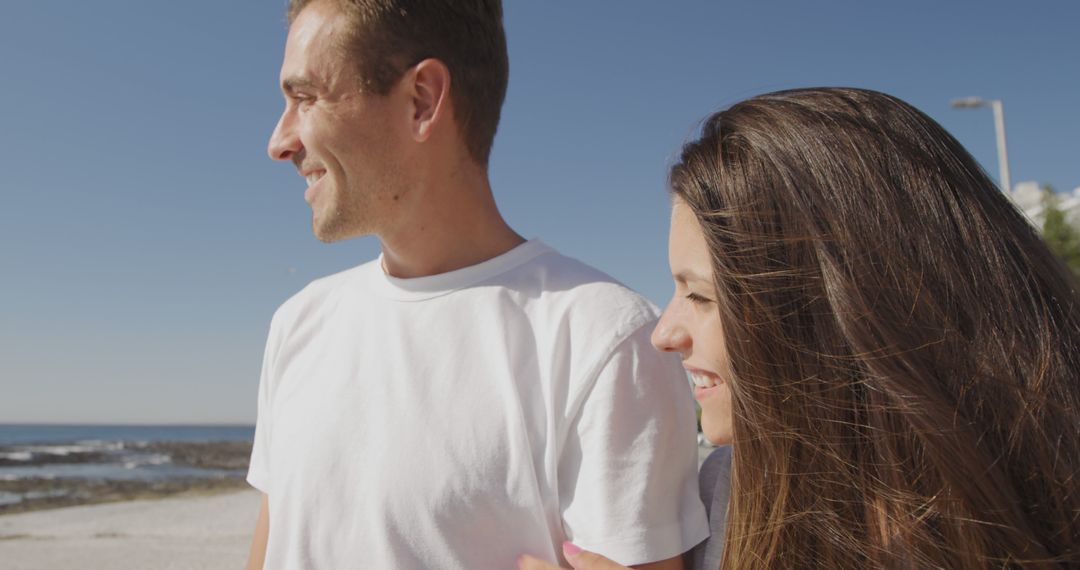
(454, 226)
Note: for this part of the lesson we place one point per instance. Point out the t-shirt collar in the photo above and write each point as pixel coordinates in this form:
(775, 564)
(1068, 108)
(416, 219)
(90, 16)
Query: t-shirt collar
(421, 288)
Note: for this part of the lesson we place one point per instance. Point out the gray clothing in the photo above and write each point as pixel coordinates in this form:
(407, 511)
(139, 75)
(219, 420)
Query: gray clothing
(714, 479)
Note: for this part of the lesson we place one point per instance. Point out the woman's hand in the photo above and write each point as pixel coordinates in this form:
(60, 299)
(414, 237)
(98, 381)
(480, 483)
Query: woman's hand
(578, 558)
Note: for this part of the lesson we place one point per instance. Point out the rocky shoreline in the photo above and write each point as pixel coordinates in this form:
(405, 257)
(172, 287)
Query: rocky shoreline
(228, 455)
(225, 464)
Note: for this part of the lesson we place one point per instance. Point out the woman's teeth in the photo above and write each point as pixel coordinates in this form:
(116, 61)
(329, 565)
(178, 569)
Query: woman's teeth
(703, 380)
(313, 178)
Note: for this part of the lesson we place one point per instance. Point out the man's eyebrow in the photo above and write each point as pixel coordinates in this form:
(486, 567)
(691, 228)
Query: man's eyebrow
(292, 84)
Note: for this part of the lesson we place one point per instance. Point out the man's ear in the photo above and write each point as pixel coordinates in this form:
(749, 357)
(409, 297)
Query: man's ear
(430, 92)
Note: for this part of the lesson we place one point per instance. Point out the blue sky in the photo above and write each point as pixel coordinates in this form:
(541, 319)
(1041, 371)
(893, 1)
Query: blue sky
(145, 237)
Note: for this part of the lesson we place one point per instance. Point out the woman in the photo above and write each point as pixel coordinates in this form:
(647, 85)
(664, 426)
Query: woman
(900, 350)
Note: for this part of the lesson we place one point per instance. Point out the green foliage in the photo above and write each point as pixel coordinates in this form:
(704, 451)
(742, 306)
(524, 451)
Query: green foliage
(1062, 237)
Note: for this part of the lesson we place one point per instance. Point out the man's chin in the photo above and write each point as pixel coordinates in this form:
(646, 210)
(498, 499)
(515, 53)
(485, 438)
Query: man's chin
(331, 232)
(325, 236)
(326, 239)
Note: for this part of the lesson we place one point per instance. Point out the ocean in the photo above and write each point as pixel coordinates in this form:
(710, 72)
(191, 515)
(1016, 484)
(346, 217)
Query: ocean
(23, 434)
(43, 461)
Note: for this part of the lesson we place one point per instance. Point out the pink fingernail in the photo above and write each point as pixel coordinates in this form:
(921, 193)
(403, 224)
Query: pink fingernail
(570, 549)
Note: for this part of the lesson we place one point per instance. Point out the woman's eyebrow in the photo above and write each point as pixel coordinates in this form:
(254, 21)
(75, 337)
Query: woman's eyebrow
(687, 275)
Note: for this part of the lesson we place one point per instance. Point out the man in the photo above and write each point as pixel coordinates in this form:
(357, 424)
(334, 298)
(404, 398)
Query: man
(469, 396)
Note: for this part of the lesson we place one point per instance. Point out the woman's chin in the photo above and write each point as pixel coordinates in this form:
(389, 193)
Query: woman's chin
(718, 441)
(717, 435)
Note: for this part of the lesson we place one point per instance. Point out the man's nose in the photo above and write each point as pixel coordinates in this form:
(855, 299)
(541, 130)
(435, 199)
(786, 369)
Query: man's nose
(285, 140)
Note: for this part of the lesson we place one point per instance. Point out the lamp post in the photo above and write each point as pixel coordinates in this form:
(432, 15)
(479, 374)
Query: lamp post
(999, 128)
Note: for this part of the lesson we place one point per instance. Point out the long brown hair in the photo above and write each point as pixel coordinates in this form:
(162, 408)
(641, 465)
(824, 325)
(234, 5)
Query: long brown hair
(905, 350)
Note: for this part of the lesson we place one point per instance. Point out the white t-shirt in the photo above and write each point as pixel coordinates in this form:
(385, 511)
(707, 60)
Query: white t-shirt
(463, 419)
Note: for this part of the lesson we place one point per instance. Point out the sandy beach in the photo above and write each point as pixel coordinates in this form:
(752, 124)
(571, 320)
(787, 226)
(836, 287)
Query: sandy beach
(184, 532)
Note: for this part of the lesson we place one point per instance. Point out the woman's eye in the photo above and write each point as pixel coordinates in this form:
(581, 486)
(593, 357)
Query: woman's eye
(697, 299)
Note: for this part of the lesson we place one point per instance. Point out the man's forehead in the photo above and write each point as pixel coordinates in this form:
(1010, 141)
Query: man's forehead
(319, 25)
(311, 50)
(309, 26)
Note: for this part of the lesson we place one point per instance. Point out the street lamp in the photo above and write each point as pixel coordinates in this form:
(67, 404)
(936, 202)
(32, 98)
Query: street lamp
(999, 128)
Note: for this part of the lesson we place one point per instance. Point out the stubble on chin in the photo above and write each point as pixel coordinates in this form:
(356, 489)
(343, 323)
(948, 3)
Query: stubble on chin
(329, 228)
(323, 236)
(337, 224)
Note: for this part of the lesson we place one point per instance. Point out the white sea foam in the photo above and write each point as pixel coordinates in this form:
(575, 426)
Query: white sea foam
(87, 446)
(17, 455)
(137, 461)
(158, 459)
(102, 445)
(61, 449)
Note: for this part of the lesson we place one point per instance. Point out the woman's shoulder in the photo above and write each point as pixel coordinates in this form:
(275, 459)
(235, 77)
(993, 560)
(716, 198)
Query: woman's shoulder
(714, 478)
(715, 467)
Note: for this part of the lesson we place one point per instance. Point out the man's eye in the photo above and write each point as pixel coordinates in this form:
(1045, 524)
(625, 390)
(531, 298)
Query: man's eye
(697, 299)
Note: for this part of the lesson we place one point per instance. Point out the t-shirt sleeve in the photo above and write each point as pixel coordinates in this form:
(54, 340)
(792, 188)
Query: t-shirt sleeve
(628, 468)
(259, 467)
